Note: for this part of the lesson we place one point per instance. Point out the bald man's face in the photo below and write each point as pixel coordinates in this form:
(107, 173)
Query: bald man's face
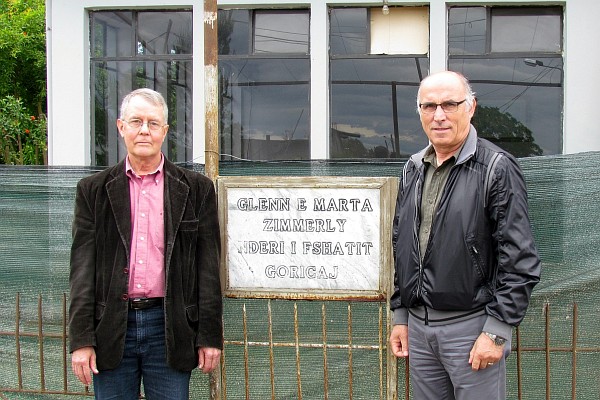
(446, 130)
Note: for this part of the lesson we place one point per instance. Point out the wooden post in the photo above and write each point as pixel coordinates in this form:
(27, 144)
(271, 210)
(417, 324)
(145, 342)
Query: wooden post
(211, 125)
(211, 89)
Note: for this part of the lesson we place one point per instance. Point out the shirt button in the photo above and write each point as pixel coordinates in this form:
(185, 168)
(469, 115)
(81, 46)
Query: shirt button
(139, 285)
(125, 270)
(143, 215)
(143, 192)
(141, 238)
(140, 261)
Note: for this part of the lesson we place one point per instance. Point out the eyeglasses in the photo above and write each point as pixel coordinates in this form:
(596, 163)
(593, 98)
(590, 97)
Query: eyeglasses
(447, 106)
(153, 126)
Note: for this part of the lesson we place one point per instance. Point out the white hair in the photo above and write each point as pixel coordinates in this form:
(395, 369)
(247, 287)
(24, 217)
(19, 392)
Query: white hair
(153, 97)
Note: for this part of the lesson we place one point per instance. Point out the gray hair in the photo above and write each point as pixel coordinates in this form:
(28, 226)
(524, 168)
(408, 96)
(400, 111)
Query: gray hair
(469, 93)
(153, 97)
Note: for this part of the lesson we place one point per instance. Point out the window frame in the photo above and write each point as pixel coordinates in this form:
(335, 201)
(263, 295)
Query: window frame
(94, 61)
(396, 149)
(488, 54)
(252, 55)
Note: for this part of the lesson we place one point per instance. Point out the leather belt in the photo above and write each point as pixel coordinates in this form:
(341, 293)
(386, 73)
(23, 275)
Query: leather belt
(144, 302)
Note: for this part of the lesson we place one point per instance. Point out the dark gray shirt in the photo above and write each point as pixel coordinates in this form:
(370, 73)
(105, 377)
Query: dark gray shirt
(435, 180)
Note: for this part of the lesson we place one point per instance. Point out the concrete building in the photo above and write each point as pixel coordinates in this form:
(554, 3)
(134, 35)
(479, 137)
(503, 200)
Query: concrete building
(321, 79)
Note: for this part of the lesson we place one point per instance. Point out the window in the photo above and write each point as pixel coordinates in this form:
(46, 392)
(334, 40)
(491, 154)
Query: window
(264, 84)
(513, 58)
(133, 49)
(376, 64)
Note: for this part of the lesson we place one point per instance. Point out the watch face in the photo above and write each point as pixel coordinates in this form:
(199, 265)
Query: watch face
(498, 341)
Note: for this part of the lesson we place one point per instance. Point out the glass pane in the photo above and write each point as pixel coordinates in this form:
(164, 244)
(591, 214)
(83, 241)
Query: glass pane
(519, 106)
(367, 120)
(162, 32)
(105, 103)
(113, 80)
(467, 30)
(404, 30)
(281, 32)
(234, 32)
(112, 34)
(348, 31)
(264, 109)
(527, 33)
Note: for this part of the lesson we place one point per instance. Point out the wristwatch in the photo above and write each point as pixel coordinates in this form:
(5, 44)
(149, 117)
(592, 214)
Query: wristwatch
(498, 340)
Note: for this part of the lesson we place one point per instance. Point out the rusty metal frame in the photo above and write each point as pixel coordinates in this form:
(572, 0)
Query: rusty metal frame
(387, 386)
(18, 333)
(296, 344)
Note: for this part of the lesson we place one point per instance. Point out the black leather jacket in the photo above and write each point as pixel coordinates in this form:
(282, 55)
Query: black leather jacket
(481, 253)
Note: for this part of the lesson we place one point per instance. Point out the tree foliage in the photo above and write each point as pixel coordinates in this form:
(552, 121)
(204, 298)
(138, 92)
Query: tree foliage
(506, 131)
(22, 78)
(23, 136)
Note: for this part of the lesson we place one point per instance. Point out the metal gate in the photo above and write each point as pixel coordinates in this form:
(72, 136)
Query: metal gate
(303, 350)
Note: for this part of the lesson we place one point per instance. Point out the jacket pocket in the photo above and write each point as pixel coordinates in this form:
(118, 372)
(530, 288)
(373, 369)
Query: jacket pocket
(99, 311)
(192, 316)
(477, 261)
(482, 288)
(189, 225)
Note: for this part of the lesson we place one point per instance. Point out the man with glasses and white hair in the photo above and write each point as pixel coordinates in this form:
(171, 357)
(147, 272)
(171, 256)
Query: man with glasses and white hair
(145, 294)
(465, 258)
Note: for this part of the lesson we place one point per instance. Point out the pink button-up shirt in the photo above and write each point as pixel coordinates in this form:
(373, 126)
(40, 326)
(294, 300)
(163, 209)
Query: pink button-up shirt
(147, 265)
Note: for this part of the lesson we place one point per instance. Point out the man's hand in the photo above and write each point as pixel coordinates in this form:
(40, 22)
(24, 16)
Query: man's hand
(83, 363)
(485, 353)
(208, 358)
(399, 340)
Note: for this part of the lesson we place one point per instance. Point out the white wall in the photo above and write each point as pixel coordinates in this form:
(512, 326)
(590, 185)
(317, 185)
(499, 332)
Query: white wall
(582, 81)
(68, 68)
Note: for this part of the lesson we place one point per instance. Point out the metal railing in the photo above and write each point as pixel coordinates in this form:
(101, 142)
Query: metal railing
(18, 334)
(297, 344)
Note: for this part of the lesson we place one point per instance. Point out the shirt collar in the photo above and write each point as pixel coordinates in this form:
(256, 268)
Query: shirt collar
(430, 158)
(158, 172)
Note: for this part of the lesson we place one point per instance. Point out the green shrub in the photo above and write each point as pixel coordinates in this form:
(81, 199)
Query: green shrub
(23, 137)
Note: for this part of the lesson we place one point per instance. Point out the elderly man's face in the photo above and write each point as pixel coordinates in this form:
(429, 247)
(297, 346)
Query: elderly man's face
(446, 130)
(143, 143)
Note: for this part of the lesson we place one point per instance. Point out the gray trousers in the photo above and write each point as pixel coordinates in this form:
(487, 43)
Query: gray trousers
(439, 362)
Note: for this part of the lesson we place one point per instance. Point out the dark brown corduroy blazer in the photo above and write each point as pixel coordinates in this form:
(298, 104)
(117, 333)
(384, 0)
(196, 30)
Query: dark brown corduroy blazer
(100, 266)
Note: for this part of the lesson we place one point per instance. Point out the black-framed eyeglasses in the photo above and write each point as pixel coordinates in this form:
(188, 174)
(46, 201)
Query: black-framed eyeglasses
(153, 126)
(447, 106)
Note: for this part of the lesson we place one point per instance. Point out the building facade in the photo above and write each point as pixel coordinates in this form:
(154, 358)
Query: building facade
(320, 79)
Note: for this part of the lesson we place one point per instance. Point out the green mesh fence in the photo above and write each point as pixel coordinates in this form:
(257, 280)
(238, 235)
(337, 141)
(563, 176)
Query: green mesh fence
(36, 206)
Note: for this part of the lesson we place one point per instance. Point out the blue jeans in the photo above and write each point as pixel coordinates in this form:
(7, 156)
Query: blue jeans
(144, 359)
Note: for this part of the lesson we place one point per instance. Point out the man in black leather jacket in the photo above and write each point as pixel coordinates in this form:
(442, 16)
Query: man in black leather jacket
(465, 258)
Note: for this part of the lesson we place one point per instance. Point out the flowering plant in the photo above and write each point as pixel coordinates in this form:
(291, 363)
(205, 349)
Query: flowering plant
(23, 137)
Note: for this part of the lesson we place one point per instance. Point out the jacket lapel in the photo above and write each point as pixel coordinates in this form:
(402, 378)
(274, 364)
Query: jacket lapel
(176, 195)
(118, 195)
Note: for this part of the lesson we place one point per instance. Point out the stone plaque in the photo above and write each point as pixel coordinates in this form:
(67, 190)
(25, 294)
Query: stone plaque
(306, 237)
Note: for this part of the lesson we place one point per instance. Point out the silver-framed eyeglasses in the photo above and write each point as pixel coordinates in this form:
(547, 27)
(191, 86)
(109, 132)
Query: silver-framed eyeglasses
(153, 126)
(447, 106)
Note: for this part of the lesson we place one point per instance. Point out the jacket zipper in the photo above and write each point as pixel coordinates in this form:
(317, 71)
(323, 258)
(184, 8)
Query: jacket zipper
(416, 234)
